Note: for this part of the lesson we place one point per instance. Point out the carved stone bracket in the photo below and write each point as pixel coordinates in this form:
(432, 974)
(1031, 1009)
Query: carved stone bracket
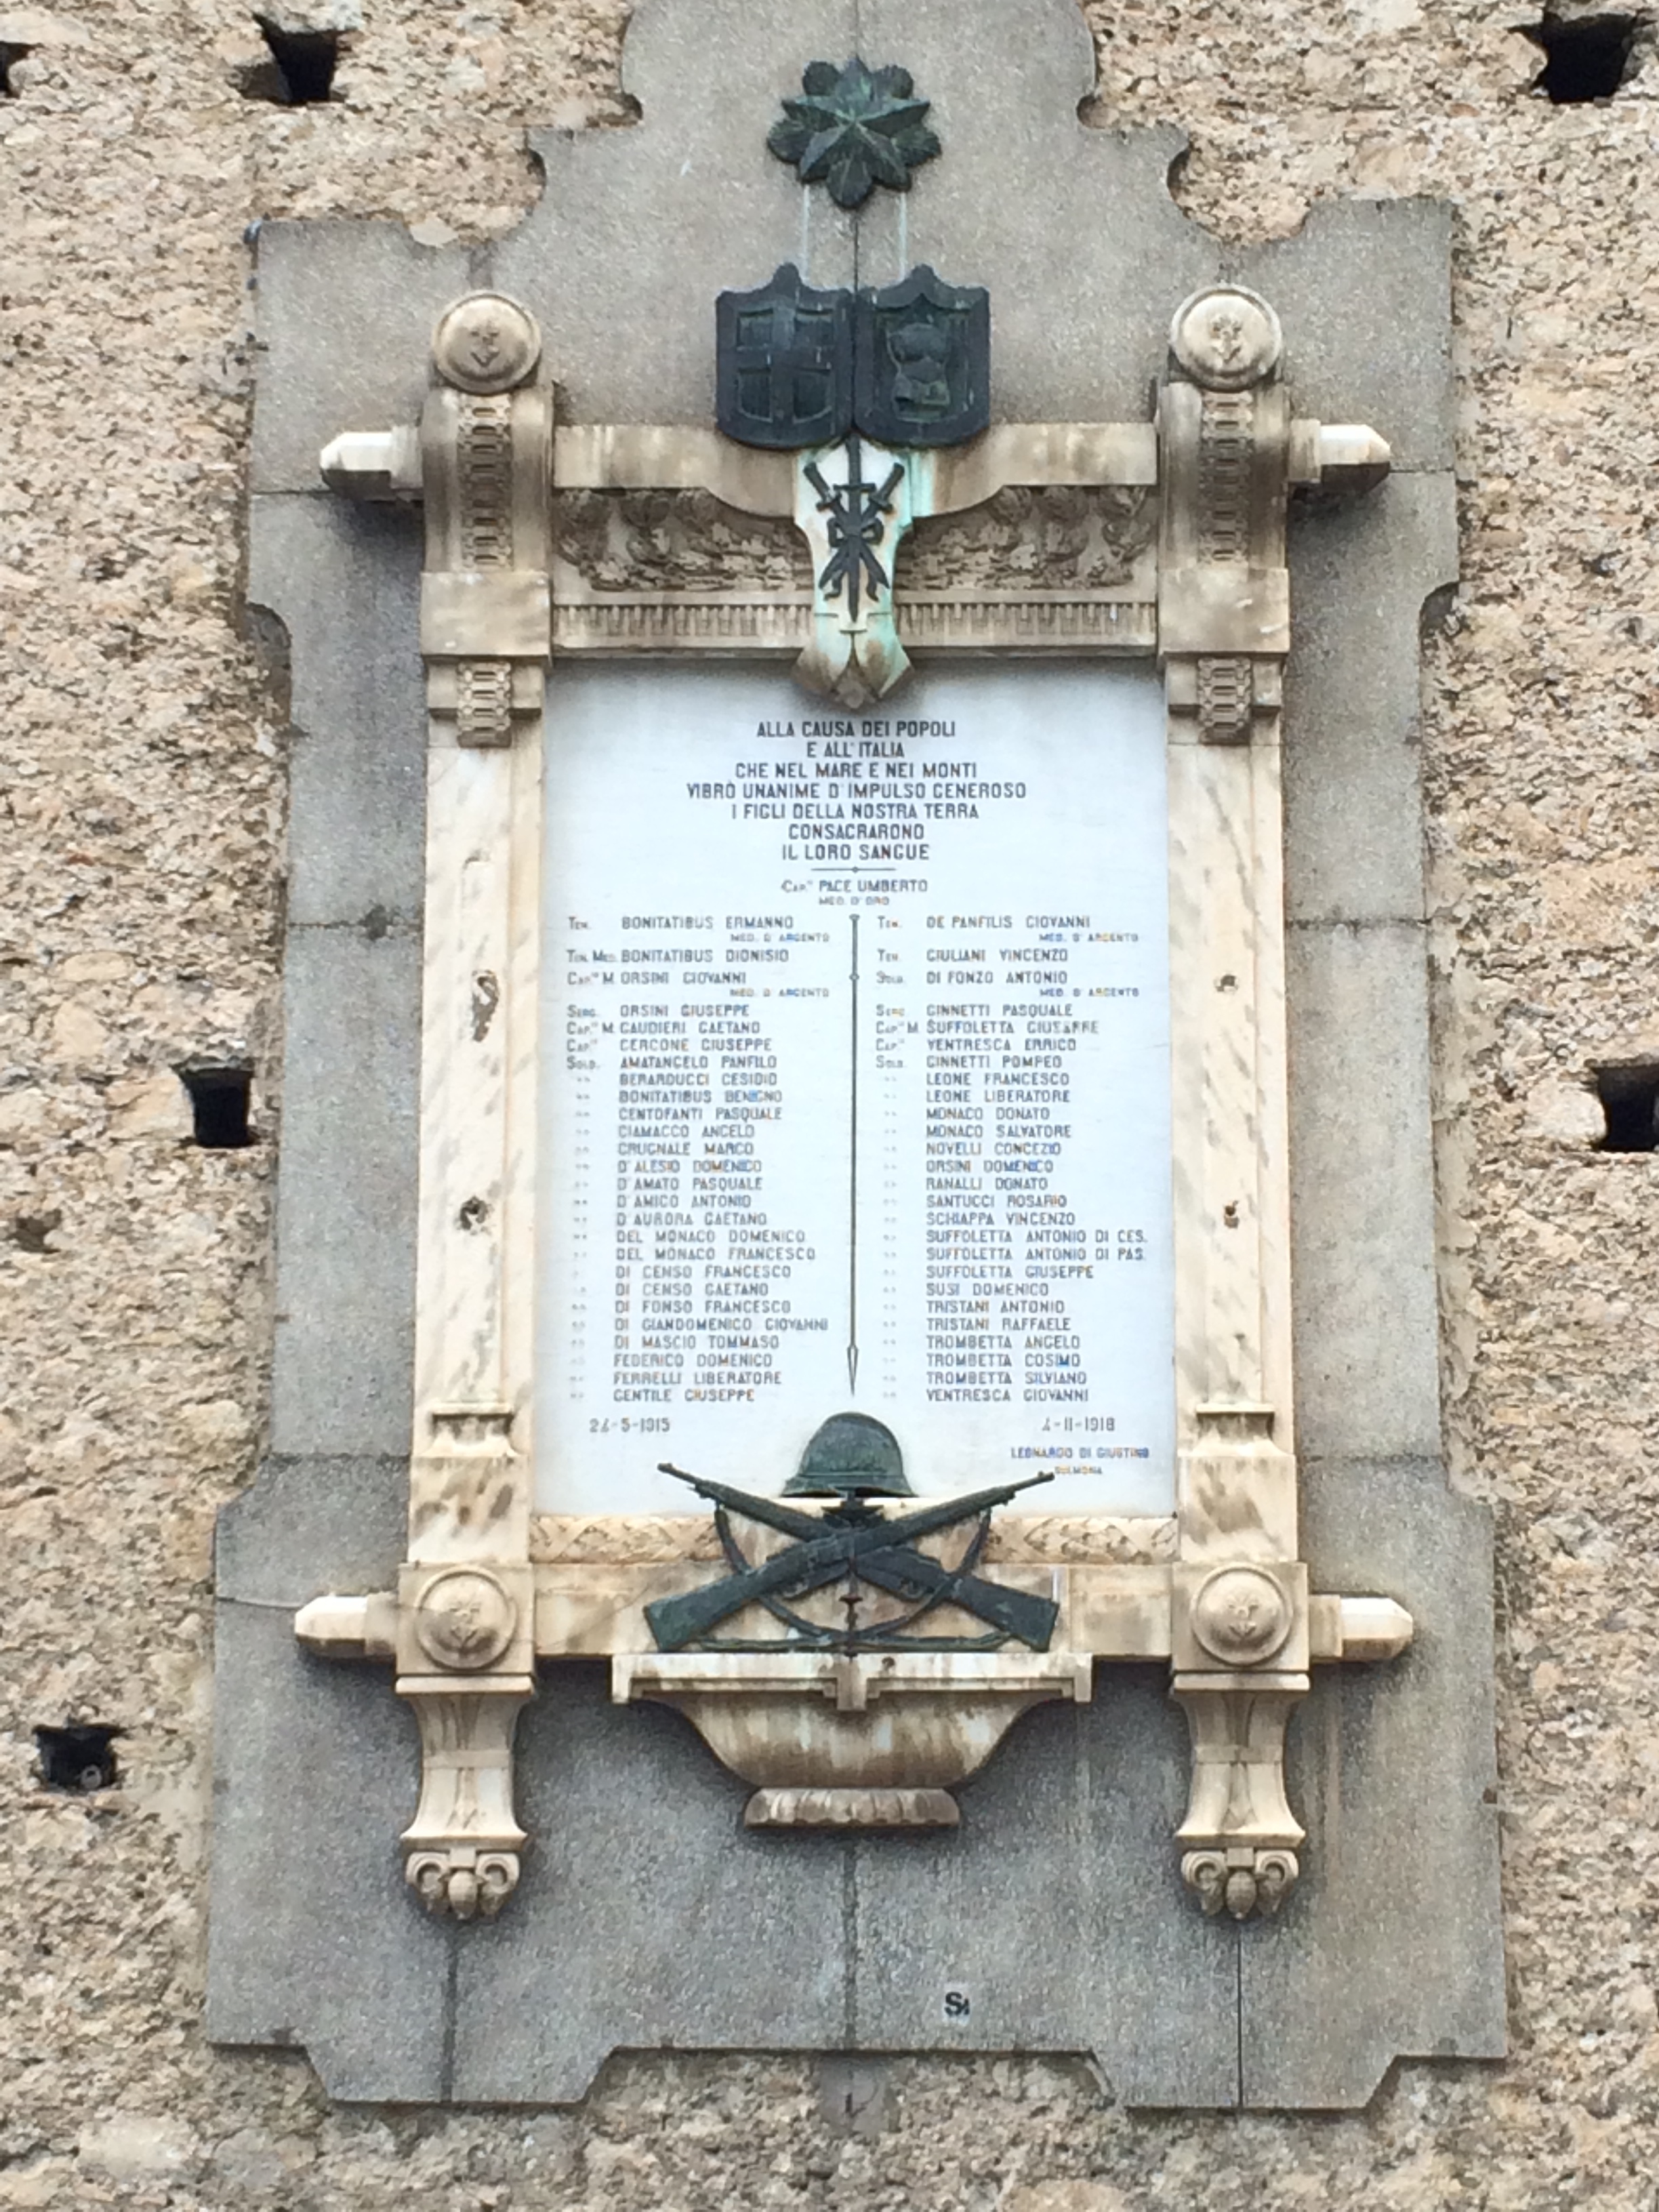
(1239, 1823)
(1164, 539)
(1241, 1655)
(462, 1847)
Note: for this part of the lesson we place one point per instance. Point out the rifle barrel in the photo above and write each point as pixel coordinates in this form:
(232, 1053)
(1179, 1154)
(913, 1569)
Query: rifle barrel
(766, 1510)
(907, 1526)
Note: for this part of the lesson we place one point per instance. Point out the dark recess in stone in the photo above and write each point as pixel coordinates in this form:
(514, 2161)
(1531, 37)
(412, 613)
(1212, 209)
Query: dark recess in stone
(79, 1757)
(1630, 1098)
(300, 70)
(31, 1232)
(1585, 57)
(219, 1103)
(9, 54)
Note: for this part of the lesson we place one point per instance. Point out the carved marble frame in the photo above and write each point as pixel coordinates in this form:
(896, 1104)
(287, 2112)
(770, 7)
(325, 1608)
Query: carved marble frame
(488, 1588)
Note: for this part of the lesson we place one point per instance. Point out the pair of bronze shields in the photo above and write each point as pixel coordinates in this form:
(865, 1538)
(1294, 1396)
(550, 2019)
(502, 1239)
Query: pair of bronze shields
(909, 365)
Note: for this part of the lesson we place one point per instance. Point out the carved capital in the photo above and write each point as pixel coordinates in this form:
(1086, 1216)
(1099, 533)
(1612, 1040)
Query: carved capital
(486, 343)
(1239, 1615)
(486, 440)
(1226, 338)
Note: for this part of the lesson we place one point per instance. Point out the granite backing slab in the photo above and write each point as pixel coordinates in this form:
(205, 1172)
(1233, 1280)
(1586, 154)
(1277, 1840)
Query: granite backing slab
(345, 1199)
(313, 1940)
(1391, 1951)
(343, 580)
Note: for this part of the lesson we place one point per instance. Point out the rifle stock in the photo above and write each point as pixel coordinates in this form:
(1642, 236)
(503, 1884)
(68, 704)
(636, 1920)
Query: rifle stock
(678, 1621)
(912, 1574)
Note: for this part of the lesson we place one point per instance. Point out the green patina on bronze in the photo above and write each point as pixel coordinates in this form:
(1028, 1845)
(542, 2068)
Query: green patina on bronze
(853, 1459)
(854, 128)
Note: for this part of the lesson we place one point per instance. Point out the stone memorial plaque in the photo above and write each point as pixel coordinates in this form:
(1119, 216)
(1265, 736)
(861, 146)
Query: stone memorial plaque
(863, 953)
(857, 1083)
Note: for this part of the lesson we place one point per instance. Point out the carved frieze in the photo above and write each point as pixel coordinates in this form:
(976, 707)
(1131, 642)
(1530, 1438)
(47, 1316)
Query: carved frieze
(621, 1539)
(1063, 538)
(1079, 1539)
(640, 544)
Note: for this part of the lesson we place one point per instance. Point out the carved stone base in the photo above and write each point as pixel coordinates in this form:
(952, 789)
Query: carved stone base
(1240, 1880)
(462, 1881)
(875, 1739)
(852, 1809)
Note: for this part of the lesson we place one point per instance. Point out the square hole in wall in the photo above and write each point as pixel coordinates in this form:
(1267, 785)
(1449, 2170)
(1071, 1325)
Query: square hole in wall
(219, 1102)
(80, 1756)
(1629, 1093)
(1586, 58)
(300, 72)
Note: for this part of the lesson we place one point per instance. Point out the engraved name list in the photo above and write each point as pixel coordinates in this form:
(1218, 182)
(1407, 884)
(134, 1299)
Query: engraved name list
(857, 1082)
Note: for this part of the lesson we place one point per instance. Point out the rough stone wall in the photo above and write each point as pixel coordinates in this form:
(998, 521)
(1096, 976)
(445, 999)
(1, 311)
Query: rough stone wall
(140, 779)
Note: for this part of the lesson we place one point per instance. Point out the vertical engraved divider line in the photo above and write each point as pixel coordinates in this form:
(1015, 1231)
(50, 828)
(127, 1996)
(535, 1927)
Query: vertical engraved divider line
(852, 1177)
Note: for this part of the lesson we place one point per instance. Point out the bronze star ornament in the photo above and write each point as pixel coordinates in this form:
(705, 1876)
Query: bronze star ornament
(854, 128)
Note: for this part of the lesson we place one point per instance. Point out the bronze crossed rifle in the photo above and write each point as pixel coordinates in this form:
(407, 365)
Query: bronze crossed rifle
(853, 1541)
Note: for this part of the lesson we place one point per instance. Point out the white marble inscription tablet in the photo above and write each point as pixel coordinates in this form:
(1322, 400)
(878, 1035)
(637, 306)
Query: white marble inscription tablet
(857, 1083)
